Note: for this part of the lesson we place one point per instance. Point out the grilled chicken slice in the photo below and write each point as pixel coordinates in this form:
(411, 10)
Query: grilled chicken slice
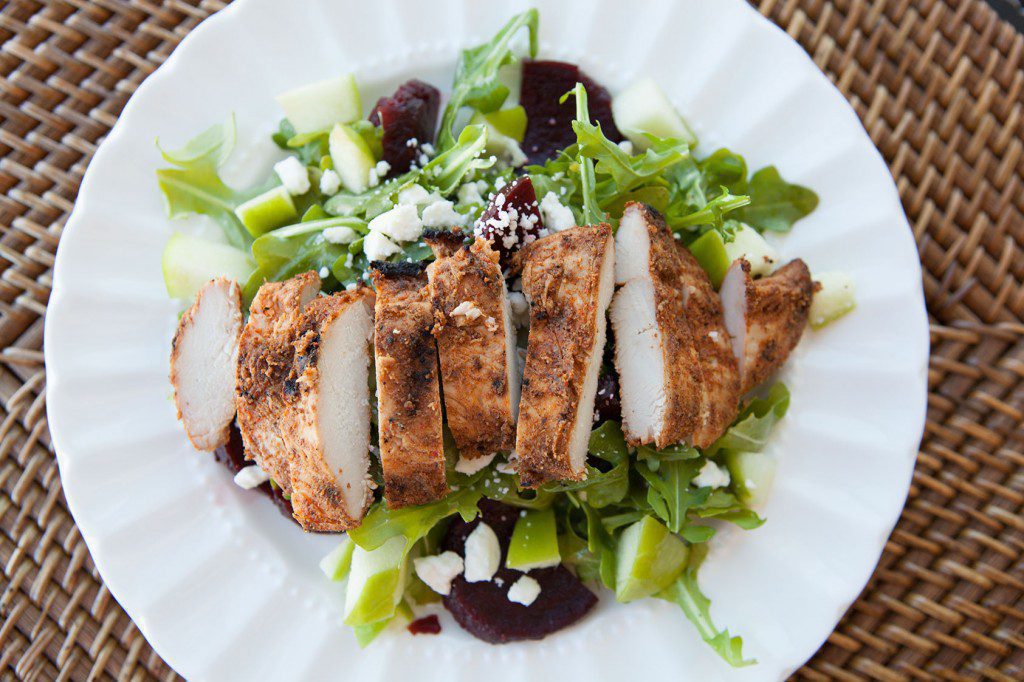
(656, 357)
(568, 278)
(408, 395)
(720, 388)
(475, 343)
(765, 317)
(203, 355)
(329, 459)
(265, 381)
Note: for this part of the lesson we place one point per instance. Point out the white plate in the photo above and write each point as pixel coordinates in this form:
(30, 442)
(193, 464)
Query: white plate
(224, 587)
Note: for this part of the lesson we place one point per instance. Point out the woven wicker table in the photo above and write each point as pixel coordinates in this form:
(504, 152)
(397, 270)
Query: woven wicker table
(939, 85)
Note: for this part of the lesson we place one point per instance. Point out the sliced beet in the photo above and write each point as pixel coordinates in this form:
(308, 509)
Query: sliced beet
(548, 122)
(512, 219)
(232, 455)
(483, 608)
(607, 403)
(409, 114)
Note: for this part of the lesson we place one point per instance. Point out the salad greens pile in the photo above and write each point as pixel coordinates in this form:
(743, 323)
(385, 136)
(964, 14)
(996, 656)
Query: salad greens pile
(594, 177)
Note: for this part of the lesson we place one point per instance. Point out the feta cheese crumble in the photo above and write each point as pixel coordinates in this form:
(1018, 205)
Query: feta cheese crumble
(712, 476)
(377, 246)
(330, 182)
(293, 174)
(413, 195)
(524, 591)
(400, 223)
(467, 194)
(556, 216)
(482, 554)
(441, 214)
(471, 466)
(340, 235)
(438, 571)
(324, 272)
(251, 476)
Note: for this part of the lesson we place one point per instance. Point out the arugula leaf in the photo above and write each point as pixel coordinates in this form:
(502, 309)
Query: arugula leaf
(724, 169)
(774, 203)
(603, 488)
(669, 491)
(210, 148)
(446, 170)
(592, 213)
(686, 593)
(599, 541)
(476, 81)
(749, 433)
(713, 213)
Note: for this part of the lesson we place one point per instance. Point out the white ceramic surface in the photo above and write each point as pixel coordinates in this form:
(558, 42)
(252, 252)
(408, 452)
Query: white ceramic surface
(224, 587)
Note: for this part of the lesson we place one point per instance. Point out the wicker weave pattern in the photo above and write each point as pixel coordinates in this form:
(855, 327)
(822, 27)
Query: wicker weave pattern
(939, 85)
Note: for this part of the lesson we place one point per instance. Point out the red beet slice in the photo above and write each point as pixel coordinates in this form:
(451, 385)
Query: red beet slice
(483, 609)
(232, 455)
(409, 114)
(512, 219)
(607, 403)
(548, 123)
(427, 625)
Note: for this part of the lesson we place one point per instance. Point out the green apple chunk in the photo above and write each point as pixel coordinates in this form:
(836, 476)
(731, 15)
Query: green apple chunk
(534, 541)
(834, 299)
(190, 262)
(709, 250)
(648, 559)
(502, 128)
(268, 211)
(376, 581)
(752, 474)
(318, 106)
(644, 108)
(748, 243)
(337, 564)
(352, 158)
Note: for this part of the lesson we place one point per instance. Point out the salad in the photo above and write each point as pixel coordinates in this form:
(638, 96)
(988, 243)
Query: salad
(520, 347)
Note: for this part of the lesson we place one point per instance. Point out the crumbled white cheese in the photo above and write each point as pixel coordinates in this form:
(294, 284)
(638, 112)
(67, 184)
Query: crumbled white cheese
(471, 466)
(251, 476)
(427, 148)
(712, 476)
(401, 223)
(294, 176)
(627, 147)
(340, 235)
(324, 271)
(413, 195)
(377, 246)
(483, 554)
(505, 468)
(438, 571)
(442, 214)
(351, 286)
(469, 194)
(465, 312)
(524, 591)
(412, 142)
(330, 182)
(520, 309)
(382, 168)
(556, 216)
(499, 183)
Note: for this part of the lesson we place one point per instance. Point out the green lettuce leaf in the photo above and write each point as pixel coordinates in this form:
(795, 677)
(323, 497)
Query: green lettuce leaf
(750, 431)
(774, 203)
(446, 170)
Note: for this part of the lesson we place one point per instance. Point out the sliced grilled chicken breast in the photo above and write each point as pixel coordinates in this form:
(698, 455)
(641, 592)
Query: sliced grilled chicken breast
(329, 460)
(765, 317)
(475, 344)
(265, 380)
(720, 386)
(659, 369)
(203, 356)
(568, 278)
(408, 394)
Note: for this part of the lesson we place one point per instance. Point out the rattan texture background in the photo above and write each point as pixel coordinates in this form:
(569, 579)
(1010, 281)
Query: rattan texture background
(939, 85)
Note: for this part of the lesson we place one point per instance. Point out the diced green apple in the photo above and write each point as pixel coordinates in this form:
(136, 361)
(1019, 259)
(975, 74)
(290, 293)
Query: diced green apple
(336, 565)
(190, 262)
(376, 582)
(834, 299)
(752, 474)
(748, 243)
(644, 108)
(498, 125)
(351, 157)
(268, 211)
(648, 559)
(534, 541)
(318, 106)
(709, 250)
(509, 122)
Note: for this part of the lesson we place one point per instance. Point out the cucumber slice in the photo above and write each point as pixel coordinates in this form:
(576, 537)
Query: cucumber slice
(709, 250)
(320, 105)
(268, 211)
(336, 565)
(534, 541)
(498, 143)
(376, 581)
(644, 108)
(647, 560)
(190, 262)
(833, 300)
(749, 244)
(752, 474)
(351, 157)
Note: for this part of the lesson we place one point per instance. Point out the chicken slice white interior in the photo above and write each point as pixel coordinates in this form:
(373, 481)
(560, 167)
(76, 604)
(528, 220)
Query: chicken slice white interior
(659, 370)
(765, 317)
(408, 393)
(203, 356)
(331, 486)
(475, 344)
(568, 278)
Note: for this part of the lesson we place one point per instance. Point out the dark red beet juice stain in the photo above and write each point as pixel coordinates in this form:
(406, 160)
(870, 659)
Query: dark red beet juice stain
(409, 114)
(483, 608)
(512, 219)
(427, 625)
(549, 123)
(232, 456)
